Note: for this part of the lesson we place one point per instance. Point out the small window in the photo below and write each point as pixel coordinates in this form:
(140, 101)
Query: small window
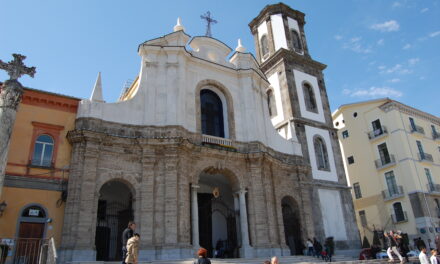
(43, 151)
(264, 46)
(336, 124)
(271, 103)
(345, 134)
(355, 114)
(357, 190)
(350, 160)
(363, 218)
(309, 98)
(296, 41)
(321, 154)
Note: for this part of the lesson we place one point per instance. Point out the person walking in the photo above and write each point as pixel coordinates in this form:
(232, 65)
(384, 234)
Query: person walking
(317, 247)
(433, 258)
(392, 246)
(274, 260)
(309, 244)
(133, 249)
(126, 235)
(423, 257)
(329, 246)
(202, 257)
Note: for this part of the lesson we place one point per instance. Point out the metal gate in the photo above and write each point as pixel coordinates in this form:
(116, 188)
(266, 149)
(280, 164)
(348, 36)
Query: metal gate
(112, 219)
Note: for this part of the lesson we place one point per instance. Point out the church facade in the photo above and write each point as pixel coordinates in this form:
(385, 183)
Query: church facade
(192, 154)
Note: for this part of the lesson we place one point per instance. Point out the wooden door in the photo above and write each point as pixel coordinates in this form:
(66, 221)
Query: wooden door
(29, 242)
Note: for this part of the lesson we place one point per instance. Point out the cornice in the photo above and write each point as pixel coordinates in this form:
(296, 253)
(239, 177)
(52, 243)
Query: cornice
(290, 56)
(51, 101)
(394, 105)
(279, 8)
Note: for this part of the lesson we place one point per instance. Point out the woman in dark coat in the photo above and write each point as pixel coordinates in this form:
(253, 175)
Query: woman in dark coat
(203, 259)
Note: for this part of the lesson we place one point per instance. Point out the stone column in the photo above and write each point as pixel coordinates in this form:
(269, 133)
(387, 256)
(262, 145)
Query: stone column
(246, 250)
(10, 97)
(195, 216)
(237, 218)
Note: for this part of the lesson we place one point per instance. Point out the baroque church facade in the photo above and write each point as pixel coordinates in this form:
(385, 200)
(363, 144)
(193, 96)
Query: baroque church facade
(192, 154)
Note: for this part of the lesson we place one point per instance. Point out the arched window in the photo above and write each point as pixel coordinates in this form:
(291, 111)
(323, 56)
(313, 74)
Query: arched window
(271, 103)
(309, 98)
(43, 151)
(398, 212)
(296, 41)
(264, 46)
(212, 114)
(321, 153)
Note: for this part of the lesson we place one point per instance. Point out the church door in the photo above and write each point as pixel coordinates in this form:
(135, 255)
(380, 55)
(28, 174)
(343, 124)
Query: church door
(292, 227)
(205, 221)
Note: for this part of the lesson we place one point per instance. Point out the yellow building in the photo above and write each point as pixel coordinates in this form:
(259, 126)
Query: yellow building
(392, 159)
(34, 193)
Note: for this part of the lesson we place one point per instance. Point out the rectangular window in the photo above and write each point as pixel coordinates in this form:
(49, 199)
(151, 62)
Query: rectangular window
(413, 124)
(391, 183)
(384, 154)
(350, 160)
(420, 148)
(377, 128)
(357, 190)
(429, 178)
(345, 134)
(363, 218)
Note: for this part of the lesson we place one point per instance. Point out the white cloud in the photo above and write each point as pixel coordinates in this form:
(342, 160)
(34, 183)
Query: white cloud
(398, 68)
(382, 67)
(386, 26)
(380, 42)
(355, 45)
(424, 10)
(395, 80)
(407, 46)
(374, 92)
(338, 37)
(413, 61)
(396, 4)
(434, 34)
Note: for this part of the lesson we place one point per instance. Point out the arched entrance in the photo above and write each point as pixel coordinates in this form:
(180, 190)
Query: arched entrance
(292, 225)
(114, 212)
(218, 222)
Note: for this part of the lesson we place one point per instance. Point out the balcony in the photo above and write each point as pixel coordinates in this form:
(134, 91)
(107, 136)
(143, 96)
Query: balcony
(385, 162)
(226, 142)
(433, 188)
(425, 157)
(392, 194)
(399, 218)
(417, 129)
(378, 133)
(435, 135)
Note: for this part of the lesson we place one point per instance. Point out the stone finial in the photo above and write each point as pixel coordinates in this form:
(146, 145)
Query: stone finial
(16, 67)
(97, 90)
(179, 26)
(240, 47)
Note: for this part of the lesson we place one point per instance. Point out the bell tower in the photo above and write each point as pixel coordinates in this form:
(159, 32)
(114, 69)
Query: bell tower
(299, 109)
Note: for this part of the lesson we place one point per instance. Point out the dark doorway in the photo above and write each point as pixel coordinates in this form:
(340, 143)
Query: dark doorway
(292, 226)
(29, 243)
(114, 213)
(205, 221)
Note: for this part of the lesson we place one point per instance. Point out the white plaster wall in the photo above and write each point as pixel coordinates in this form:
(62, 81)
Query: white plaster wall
(167, 92)
(334, 223)
(275, 83)
(301, 77)
(278, 32)
(293, 24)
(262, 30)
(320, 174)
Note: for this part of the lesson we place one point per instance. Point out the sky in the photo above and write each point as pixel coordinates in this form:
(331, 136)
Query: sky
(373, 48)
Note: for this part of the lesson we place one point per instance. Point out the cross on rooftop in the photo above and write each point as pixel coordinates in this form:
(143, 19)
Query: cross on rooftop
(16, 67)
(209, 21)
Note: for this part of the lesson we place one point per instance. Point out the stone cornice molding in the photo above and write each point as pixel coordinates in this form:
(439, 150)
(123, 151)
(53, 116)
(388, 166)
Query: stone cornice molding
(394, 105)
(279, 8)
(290, 56)
(326, 184)
(49, 100)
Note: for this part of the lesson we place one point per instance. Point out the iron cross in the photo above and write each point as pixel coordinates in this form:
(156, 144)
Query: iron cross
(16, 68)
(209, 21)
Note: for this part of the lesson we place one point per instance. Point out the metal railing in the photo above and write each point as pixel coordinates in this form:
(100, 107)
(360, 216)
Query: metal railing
(384, 162)
(389, 194)
(216, 140)
(378, 132)
(399, 218)
(28, 251)
(417, 129)
(425, 157)
(433, 187)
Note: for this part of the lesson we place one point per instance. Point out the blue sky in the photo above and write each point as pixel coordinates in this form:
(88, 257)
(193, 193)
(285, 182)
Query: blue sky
(373, 48)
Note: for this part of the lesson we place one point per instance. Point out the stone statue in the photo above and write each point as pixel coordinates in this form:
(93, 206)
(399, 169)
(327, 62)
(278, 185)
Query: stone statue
(10, 96)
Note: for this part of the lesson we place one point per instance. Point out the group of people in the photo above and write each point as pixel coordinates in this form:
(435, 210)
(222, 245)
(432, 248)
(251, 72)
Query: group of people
(315, 248)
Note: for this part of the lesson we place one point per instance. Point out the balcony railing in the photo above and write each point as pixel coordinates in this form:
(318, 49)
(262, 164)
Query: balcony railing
(377, 133)
(433, 187)
(216, 140)
(417, 129)
(435, 135)
(425, 157)
(390, 194)
(385, 162)
(28, 250)
(399, 218)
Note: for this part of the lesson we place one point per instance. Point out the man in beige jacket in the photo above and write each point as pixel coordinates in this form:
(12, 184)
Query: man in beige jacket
(133, 249)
